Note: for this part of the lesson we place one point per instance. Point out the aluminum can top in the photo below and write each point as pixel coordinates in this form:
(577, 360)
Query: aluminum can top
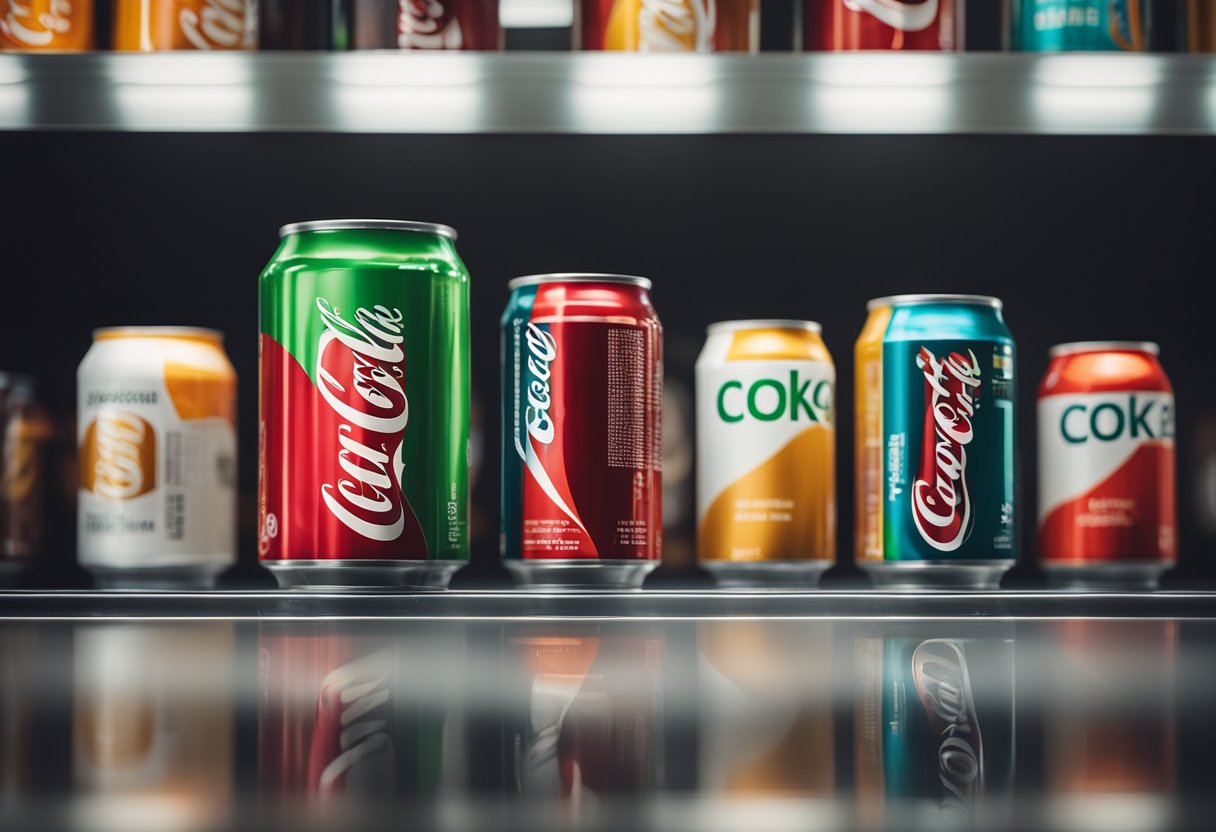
(189, 333)
(762, 323)
(579, 277)
(368, 225)
(1078, 347)
(910, 300)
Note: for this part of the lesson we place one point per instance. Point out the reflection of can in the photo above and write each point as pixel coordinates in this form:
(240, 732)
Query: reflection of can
(669, 25)
(154, 25)
(582, 456)
(156, 429)
(52, 25)
(24, 431)
(593, 726)
(469, 25)
(935, 441)
(933, 722)
(766, 481)
(834, 25)
(154, 711)
(1107, 481)
(1080, 25)
(365, 363)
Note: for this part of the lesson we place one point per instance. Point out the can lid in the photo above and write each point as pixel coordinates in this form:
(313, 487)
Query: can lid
(763, 323)
(108, 332)
(371, 225)
(1076, 347)
(909, 300)
(578, 277)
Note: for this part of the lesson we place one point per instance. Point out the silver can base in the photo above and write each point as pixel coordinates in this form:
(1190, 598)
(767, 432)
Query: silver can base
(931, 576)
(771, 574)
(159, 577)
(580, 574)
(360, 574)
(1100, 576)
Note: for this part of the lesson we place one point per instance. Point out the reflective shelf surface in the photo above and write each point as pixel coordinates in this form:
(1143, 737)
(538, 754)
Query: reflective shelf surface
(613, 711)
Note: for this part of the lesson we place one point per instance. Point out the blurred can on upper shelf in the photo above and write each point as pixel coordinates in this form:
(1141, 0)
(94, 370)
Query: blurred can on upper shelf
(846, 25)
(52, 25)
(1080, 25)
(156, 429)
(156, 25)
(582, 384)
(24, 432)
(468, 25)
(766, 456)
(668, 25)
(363, 458)
(935, 440)
(1107, 473)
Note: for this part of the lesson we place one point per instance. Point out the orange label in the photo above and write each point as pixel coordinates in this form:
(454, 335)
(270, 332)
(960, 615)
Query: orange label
(868, 439)
(150, 25)
(46, 24)
(118, 456)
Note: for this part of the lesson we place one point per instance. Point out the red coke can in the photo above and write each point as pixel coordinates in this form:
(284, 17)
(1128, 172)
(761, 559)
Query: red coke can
(1107, 501)
(844, 25)
(582, 440)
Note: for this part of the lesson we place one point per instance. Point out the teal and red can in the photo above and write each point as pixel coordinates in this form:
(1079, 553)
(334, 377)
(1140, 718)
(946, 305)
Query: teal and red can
(364, 405)
(581, 430)
(1082, 25)
(935, 437)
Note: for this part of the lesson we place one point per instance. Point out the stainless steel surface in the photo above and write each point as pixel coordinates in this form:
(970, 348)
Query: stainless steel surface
(379, 225)
(907, 300)
(578, 277)
(1074, 347)
(386, 92)
(763, 323)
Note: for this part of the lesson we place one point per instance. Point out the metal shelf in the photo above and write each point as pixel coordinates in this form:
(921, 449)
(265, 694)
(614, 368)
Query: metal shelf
(602, 93)
(637, 605)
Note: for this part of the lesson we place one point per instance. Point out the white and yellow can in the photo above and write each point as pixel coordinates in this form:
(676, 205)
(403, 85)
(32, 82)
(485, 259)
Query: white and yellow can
(766, 452)
(156, 433)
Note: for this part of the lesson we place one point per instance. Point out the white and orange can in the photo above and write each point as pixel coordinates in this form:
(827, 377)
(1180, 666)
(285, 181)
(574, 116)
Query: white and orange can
(156, 25)
(50, 25)
(1107, 481)
(766, 452)
(156, 431)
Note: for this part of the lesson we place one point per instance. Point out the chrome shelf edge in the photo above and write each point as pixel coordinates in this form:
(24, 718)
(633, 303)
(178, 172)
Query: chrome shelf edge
(605, 93)
(621, 605)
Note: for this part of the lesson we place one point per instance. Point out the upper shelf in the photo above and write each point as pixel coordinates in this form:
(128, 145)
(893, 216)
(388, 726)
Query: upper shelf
(603, 93)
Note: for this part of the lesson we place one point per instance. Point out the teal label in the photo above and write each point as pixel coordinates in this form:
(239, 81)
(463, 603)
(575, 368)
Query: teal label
(1077, 25)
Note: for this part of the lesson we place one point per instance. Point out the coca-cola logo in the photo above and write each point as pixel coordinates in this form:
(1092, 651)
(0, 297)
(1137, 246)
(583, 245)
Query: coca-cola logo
(542, 350)
(939, 669)
(361, 376)
(427, 24)
(941, 505)
(23, 25)
(219, 24)
(676, 25)
(914, 16)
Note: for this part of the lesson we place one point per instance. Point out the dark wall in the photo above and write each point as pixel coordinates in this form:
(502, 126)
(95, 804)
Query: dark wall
(1083, 238)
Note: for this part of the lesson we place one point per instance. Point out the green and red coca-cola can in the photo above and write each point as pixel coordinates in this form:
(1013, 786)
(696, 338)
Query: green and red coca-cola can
(364, 420)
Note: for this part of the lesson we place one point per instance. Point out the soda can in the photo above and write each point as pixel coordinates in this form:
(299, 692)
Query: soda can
(1107, 475)
(581, 432)
(1080, 25)
(156, 25)
(50, 25)
(846, 25)
(935, 434)
(469, 25)
(365, 363)
(669, 25)
(24, 432)
(766, 455)
(156, 431)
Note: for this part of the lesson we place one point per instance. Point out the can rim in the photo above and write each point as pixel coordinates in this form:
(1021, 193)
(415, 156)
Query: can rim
(579, 277)
(368, 225)
(763, 323)
(1077, 347)
(105, 332)
(908, 300)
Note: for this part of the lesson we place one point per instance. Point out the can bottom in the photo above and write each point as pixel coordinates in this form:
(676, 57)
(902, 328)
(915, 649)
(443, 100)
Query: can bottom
(581, 574)
(1123, 575)
(772, 573)
(358, 574)
(194, 576)
(928, 576)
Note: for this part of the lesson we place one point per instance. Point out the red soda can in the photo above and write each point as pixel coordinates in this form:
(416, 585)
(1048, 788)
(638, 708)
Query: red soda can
(582, 404)
(845, 25)
(1107, 503)
(468, 25)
